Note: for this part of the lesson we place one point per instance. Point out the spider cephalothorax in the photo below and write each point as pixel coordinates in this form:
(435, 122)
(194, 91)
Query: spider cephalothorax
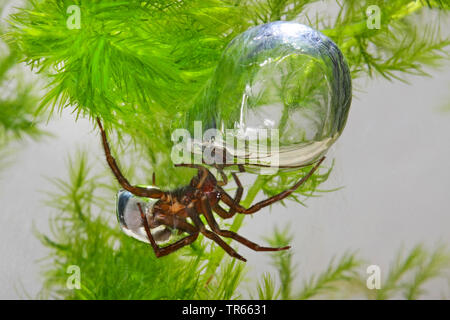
(153, 221)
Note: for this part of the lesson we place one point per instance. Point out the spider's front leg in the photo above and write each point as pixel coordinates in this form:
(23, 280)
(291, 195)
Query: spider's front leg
(138, 191)
(175, 223)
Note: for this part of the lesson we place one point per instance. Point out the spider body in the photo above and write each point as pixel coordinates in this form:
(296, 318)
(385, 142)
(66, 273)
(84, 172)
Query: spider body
(180, 209)
(175, 202)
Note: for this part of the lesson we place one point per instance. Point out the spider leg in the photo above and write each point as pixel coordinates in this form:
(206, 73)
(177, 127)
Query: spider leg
(138, 191)
(160, 252)
(224, 181)
(240, 166)
(258, 206)
(176, 223)
(199, 168)
(211, 235)
(230, 234)
(224, 214)
(237, 198)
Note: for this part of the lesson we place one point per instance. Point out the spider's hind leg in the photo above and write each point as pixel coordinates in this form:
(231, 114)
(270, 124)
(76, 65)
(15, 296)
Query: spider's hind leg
(163, 251)
(206, 209)
(211, 235)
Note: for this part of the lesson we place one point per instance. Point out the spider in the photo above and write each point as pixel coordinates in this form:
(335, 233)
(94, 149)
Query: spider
(202, 196)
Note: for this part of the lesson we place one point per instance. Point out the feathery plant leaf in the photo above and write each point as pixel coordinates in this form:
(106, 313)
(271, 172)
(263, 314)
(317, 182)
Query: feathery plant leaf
(400, 267)
(266, 289)
(18, 101)
(409, 273)
(328, 281)
(344, 278)
(325, 283)
(282, 260)
(434, 266)
(405, 41)
(224, 287)
(133, 63)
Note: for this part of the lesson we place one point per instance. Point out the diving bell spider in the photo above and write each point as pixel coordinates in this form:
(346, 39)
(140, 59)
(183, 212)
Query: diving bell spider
(202, 196)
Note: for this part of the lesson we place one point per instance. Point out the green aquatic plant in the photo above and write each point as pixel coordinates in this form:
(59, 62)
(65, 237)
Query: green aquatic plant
(18, 101)
(136, 65)
(140, 65)
(346, 277)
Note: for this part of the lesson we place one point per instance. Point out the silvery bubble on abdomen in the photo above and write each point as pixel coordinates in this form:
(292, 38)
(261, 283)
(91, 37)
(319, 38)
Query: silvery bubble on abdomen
(284, 76)
(130, 219)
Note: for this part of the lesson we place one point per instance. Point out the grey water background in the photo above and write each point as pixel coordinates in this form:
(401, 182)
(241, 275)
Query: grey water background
(392, 161)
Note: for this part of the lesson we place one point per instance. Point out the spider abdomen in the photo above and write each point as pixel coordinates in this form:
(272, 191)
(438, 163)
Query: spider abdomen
(130, 219)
